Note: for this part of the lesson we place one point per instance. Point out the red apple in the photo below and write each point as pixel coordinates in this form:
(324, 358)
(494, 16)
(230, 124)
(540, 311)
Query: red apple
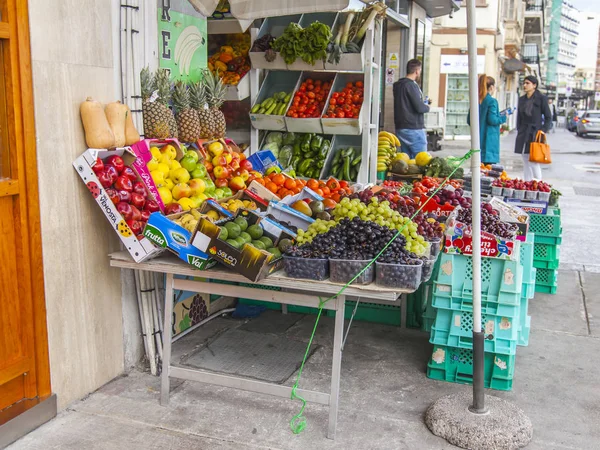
(124, 196)
(110, 169)
(152, 206)
(173, 208)
(237, 184)
(105, 179)
(138, 200)
(209, 166)
(113, 195)
(136, 214)
(242, 173)
(219, 161)
(124, 183)
(139, 187)
(129, 173)
(221, 172)
(145, 215)
(117, 162)
(235, 165)
(136, 226)
(98, 167)
(221, 182)
(245, 164)
(125, 210)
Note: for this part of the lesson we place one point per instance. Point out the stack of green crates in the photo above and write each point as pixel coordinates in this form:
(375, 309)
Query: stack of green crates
(548, 237)
(507, 286)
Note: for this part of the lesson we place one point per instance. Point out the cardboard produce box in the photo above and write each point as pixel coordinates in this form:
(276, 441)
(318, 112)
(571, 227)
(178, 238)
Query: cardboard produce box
(512, 214)
(249, 261)
(164, 232)
(139, 249)
(459, 241)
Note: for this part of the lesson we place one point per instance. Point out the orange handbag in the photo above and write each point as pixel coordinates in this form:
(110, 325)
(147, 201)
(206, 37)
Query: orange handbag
(539, 150)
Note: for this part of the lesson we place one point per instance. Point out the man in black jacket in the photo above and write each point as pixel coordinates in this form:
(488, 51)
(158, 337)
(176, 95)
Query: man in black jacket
(409, 110)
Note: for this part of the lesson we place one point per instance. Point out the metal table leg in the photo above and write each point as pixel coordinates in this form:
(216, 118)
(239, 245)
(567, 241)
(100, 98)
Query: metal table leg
(165, 384)
(338, 335)
(403, 310)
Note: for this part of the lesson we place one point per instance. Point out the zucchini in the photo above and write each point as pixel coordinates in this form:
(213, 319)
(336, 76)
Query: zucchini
(347, 152)
(357, 160)
(255, 108)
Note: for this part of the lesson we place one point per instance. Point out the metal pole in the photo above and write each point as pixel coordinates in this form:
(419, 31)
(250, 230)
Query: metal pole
(478, 392)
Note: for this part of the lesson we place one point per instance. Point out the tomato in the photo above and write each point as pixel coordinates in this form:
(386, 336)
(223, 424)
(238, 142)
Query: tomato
(335, 95)
(310, 87)
(343, 183)
(356, 98)
(311, 95)
(341, 114)
(318, 82)
(359, 84)
(347, 108)
(341, 100)
(302, 88)
(333, 101)
(317, 89)
(349, 85)
(304, 100)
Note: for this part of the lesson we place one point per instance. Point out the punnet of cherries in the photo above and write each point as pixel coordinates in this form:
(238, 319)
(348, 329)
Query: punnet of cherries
(490, 221)
(452, 197)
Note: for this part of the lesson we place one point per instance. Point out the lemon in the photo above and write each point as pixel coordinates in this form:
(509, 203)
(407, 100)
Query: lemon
(422, 159)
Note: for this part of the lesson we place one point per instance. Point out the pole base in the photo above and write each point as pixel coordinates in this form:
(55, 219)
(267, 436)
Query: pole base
(504, 426)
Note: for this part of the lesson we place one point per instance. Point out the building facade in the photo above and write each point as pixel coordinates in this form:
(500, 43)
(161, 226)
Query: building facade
(564, 37)
(500, 31)
(587, 52)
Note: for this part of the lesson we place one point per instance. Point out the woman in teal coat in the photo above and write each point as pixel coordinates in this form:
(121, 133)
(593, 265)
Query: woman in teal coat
(490, 120)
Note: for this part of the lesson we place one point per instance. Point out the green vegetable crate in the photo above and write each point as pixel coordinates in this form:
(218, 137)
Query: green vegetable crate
(273, 100)
(275, 27)
(326, 18)
(343, 125)
(309, 125)
(456, 365)
(342, 162)
(349, 62)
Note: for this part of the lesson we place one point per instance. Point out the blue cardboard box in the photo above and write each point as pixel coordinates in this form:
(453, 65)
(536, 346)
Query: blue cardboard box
(163, 232)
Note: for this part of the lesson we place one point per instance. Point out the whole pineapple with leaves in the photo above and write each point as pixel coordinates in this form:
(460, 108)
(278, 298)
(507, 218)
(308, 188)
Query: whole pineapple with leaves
(155, 114)
(163, 85)
(198, 102)
(214, 125)
(188, 124)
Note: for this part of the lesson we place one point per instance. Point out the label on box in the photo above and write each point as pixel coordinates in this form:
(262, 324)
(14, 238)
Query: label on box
(529, 206)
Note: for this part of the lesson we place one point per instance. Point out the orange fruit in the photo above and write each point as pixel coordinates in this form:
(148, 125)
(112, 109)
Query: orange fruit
(296, 190)
(326, 191)
(290, 184)
(283, 192)
(313, 184)
(300, 182)
(279, 179)
(329, 203)
(318, 191)
(260, 181)
(272, 187)
(322, 184)
(336, 197)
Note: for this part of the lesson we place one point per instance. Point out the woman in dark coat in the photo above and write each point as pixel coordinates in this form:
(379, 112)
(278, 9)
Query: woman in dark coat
(532, 106)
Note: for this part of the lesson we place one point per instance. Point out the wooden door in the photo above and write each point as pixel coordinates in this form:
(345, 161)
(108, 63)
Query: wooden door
(24, 367)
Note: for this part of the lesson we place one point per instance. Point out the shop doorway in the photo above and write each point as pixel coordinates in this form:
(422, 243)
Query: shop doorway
(25, 395)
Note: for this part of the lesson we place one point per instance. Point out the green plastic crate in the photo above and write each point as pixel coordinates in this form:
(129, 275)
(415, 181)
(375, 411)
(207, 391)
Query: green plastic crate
(545, 289)
(550, 240)
(546, 252)
(546, 224)
(526, 257)
(372, 312)
(546, 277)
(546, 264)
(268, 305)
(304, 309)
(456, 366)
(455, 329)
(488, 305)
(500, 279)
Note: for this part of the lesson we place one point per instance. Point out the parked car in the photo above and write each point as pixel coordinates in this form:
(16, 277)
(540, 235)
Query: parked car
(589, 123)
(573, 118)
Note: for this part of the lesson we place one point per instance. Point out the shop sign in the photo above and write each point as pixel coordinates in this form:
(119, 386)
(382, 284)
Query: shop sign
(393, 59)
(460, 64)
(182, 39)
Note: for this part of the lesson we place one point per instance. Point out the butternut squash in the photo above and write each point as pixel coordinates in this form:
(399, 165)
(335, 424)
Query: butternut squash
(98, 133)
(131, 134)
(116, 113)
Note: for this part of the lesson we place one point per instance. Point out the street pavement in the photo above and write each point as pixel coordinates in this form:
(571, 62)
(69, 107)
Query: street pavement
(384, 390)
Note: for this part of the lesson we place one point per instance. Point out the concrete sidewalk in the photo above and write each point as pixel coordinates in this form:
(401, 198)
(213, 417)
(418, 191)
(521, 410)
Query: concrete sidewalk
(384, 390)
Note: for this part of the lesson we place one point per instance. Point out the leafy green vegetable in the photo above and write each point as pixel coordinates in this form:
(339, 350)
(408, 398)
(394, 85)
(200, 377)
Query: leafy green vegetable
(309, 44)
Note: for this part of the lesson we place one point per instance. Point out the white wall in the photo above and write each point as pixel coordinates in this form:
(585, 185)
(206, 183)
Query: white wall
(72, 58)
(485, 17)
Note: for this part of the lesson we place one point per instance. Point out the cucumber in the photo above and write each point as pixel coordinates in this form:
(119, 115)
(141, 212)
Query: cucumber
(255, 108)
(347, 152)
(271, 108)
(356, 160)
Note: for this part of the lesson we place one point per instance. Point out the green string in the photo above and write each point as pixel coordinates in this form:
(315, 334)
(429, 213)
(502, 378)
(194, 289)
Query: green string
(298, 422)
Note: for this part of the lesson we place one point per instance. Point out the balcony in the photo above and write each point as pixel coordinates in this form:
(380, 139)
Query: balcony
(534, 17)
(530, 54)
(534, 6)
(569, 29)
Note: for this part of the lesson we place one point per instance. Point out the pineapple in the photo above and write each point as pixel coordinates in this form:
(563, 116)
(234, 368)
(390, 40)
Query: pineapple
(164, 95)
(198, 102)
(156, 116)
(188, 123)
(215, 96)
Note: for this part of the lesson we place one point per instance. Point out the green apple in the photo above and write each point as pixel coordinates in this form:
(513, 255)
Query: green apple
(180, 175)
(199, 171)
(192, 154)
(219, 194)
(189, 164)
(227, 192)
(210, 185)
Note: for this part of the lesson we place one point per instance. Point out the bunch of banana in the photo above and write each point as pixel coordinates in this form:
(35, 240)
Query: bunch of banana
(233, 205)
(386, 150)
(189, 221)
